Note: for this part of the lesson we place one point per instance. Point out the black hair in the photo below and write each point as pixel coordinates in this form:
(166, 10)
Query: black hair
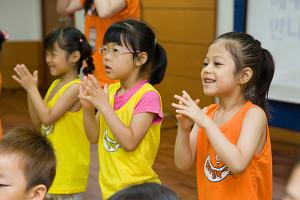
(2, 39)
(88, 4)
(70, 40)
(247, 52)
(139, 37)
(145, 191)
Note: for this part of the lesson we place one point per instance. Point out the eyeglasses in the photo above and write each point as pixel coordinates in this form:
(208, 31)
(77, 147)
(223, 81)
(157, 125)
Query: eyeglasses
(115, 52)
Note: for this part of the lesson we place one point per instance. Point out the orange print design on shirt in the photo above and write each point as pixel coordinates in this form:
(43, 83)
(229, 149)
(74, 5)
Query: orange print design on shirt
(217, 172)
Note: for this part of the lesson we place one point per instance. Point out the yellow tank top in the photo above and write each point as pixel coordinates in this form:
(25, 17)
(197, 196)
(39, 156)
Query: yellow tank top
(119, 168)
(71, 147)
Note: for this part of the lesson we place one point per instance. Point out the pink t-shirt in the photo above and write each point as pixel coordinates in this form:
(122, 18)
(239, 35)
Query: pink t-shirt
(150, 101)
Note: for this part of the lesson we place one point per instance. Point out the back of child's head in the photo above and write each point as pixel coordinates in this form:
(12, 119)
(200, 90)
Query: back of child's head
(35, 155)
(3, 37)
(246, 51)
(139, 37)
(145, 191)
(70, 40)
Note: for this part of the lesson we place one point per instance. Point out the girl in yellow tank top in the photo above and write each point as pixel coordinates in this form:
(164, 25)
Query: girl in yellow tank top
(60, 115)
(127, 125)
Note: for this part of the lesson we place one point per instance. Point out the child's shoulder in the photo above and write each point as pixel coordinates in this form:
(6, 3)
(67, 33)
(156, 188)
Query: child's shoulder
(256, 112)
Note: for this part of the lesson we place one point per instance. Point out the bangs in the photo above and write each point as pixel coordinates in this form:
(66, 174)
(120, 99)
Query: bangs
(53, 38)
(121, 34)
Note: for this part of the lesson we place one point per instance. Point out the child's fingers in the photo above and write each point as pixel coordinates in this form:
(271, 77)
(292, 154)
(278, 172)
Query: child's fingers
(16, 78)
(35, 74)
(197, 101)
(24, 69)
(81, 90)
(186, 95)
(87, 98)
(182, 112)
(182, 99)
(94, 80)
(178, 106)
(89, 85)
(17, 70)
(105, 88)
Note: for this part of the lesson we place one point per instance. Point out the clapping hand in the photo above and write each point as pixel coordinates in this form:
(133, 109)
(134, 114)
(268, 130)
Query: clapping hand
(188, 111)
(27, 80)
(91, 93)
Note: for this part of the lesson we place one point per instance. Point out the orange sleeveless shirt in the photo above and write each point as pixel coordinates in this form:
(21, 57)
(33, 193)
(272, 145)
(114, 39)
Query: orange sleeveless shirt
(214, 180)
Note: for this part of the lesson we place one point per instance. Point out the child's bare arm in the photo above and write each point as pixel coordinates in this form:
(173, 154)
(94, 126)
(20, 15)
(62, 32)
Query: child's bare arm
(46, 115)
(32, 113)
(91, 125)
(252, 139)
(68, 6)
(185, 147)
(129, 137)
(292, 187)
(108, 8)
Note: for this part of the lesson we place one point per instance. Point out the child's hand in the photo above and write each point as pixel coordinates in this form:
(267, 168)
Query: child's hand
(94, 93)
(27, 80)
(189, 109)
(184, 122)
(85, 104)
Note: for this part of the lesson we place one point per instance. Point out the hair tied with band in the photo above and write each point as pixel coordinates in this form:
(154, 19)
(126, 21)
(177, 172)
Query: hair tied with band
(80, 40)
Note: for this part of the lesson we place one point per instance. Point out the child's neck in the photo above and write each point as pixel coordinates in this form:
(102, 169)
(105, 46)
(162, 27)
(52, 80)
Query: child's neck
(68, 76)
(127, 85)
(230, 103)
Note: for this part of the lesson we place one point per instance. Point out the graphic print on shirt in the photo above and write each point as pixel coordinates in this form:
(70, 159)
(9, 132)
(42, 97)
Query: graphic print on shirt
(47, 130)
(215, 172)
(111, 145)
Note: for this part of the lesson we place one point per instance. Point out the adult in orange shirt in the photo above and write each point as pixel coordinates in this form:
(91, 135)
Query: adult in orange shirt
(99, 15)
(229, 141)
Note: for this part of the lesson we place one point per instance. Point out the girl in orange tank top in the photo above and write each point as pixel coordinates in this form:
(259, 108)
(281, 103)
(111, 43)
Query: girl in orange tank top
(229, 140)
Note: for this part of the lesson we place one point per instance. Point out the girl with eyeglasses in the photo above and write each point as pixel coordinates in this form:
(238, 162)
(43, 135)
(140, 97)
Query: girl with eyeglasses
(99, 16)
(127, 124)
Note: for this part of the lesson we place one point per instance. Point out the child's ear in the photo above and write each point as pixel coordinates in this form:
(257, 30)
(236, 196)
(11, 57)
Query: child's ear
(245, 75)
(141, 58)
(75, 56)
(38, 192)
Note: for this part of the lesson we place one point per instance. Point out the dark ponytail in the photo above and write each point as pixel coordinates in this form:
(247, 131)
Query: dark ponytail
(247, 52)
(90, 66)
(262, 84)
(159, 65)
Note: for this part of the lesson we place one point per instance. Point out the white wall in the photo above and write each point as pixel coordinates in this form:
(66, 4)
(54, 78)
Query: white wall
(224, 16)
(279, 32)
(79, 20)
(21, 19)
